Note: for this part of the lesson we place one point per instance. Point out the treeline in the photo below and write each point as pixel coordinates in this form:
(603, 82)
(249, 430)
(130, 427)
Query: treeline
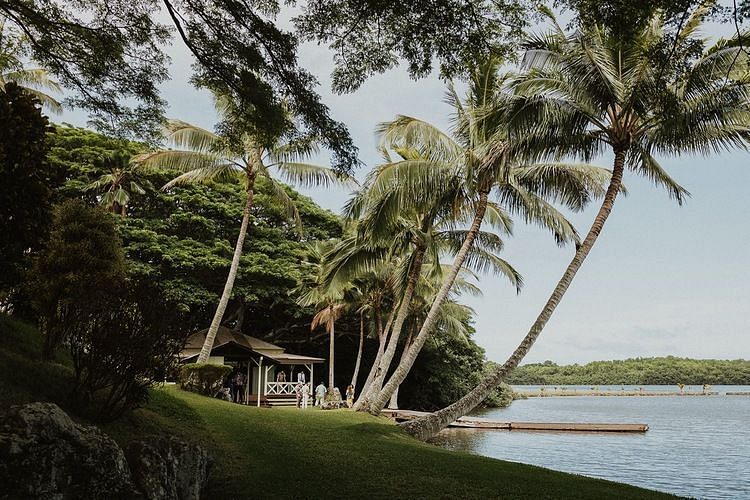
(173, 248)
(668, 370)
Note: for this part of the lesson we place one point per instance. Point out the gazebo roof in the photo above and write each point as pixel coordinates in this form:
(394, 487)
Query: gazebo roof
(227, 338)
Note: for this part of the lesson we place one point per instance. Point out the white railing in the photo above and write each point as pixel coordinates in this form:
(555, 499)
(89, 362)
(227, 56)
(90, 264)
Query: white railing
(280, 388)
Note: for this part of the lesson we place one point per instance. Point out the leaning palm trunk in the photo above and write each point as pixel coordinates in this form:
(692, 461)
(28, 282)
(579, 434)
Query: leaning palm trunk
(229, 285)
(402, 370)
(403, 311)
(382, 337)
(428, 426)
(359, 351)
(393, 403)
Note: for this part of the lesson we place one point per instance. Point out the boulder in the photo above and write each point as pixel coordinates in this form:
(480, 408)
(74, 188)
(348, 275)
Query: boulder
(168, 468)
(45, 455)
(332, 400)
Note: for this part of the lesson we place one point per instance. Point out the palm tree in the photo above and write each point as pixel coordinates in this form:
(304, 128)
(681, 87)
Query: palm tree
(481, 161)
(206, 157)
(588, 92)
(35, 81)
(330, 298)
(118, 183)
(424, 231)
(451, 312)
(374, 293)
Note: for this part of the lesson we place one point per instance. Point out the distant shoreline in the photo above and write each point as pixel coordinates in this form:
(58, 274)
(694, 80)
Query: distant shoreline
(546, 393)
(581, 392)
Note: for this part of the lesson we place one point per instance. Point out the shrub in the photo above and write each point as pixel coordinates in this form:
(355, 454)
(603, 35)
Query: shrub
(120, 338)
(123, 352)
(203, 378)
(79, 273)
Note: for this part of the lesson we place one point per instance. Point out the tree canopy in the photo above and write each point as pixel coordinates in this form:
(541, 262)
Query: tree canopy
(25, 190)
(668, 370)
(183, 239)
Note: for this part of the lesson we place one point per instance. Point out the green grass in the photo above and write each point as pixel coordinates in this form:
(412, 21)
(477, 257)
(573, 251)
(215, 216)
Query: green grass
(289, 453)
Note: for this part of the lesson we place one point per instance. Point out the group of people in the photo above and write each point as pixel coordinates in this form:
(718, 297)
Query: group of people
(238, 382)
(302, 390)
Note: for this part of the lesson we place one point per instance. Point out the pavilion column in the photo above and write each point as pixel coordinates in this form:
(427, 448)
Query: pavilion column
(260, 369)
(247, 384)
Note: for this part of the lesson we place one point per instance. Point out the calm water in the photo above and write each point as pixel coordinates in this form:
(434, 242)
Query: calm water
(696, 446)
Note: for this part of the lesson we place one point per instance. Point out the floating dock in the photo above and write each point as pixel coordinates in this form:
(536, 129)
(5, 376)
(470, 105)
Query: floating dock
(482, 423)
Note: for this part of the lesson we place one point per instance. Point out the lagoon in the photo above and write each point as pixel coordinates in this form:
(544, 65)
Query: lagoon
(696, 446)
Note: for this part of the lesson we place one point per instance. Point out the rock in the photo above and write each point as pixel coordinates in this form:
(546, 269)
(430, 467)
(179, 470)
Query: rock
(45, 455)
(167, 468)
(332, 400)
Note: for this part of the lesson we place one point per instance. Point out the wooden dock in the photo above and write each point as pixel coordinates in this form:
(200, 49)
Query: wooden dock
(483, 423)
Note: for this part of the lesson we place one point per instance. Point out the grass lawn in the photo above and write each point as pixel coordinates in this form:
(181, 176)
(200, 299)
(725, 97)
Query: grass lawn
(290, 453)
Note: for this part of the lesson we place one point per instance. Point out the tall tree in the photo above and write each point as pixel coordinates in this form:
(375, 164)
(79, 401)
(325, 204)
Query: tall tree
(417, 234)
(329, 297)
(207, 157)
(591, 91)
(25, 193)
(481, 161)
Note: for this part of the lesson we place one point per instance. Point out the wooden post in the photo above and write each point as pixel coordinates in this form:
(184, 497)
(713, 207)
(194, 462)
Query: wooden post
(312, 380)
(247, 384)
(265, 379)
(260, 368)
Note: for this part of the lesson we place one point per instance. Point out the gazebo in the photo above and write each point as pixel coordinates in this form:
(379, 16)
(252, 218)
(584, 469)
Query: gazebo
(262, 360)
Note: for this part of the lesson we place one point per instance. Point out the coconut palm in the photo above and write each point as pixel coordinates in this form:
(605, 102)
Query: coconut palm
(589, 92)
(329, 298)
(117, 184)
(206, 157)
(422, 232)
(481, 161)
(450, 319)
(374, 293)
(35, 81)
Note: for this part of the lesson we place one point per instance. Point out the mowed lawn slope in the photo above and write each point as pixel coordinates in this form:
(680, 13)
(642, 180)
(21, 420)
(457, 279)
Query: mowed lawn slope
(290, 453)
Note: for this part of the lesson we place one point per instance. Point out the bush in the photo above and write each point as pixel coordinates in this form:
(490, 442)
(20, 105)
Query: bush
(203, 378)
(125, 350)
(120, 338)
(79, 273)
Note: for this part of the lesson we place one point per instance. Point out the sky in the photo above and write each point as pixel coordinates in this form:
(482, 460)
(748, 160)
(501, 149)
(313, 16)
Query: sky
(661, 280)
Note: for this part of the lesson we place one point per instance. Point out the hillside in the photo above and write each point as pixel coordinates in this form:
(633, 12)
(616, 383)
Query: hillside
(275, 453)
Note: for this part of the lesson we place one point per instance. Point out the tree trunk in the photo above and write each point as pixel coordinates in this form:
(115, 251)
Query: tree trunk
(382, 335)
(430, 425)
(393, 403)
(359, 351)
(331, 351)
(403, 311)
(208, 344)
(402, 370)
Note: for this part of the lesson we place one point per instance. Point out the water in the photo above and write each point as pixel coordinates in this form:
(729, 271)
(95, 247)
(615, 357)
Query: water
(696, 446)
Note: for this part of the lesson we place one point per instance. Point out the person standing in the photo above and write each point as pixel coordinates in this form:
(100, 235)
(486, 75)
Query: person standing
(305, 395)
(350, 396)
(301, 377)
(281, 376)
(320, 394)
(241, 381)
(298, 393)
